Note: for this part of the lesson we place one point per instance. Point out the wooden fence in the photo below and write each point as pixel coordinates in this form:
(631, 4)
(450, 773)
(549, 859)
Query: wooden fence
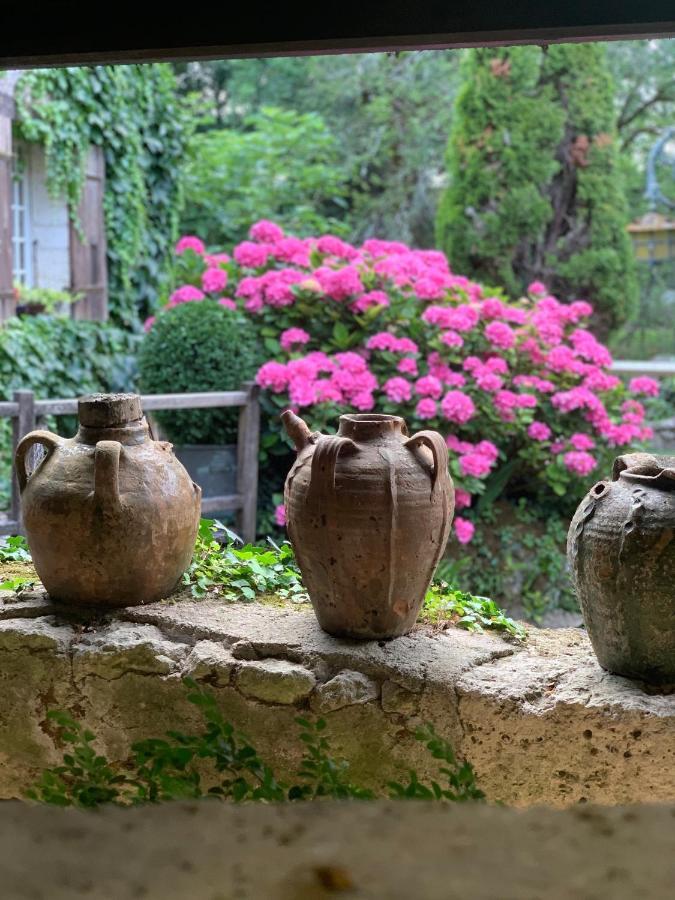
(656, 368)
(27, 414)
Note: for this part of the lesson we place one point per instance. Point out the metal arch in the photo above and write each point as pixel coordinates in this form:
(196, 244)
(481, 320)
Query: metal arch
(653, 192)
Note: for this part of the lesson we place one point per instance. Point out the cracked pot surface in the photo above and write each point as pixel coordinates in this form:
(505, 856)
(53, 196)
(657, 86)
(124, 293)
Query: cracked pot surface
(621, 548)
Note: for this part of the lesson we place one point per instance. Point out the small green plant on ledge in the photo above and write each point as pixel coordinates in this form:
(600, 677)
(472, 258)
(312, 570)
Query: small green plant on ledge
(250, 572)
(14, 549)
(242, 573)
(15, 560)
(164, 769)
(444, 605)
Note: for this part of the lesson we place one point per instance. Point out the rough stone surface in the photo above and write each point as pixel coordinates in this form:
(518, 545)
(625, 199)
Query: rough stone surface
(399, 699)
(347, 688)
(275, 681)
(540, 722)
(211, 662)
(317, 851)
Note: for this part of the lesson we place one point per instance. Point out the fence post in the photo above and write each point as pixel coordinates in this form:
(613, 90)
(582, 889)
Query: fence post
(247, 462)
(21, 425)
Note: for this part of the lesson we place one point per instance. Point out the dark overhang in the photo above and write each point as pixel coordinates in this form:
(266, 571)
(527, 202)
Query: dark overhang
(61, 32)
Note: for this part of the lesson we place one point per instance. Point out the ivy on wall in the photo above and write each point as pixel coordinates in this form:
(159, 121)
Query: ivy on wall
(133, 113)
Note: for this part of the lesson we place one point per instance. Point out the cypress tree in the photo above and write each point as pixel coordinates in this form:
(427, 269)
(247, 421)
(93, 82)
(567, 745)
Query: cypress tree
(535, 189)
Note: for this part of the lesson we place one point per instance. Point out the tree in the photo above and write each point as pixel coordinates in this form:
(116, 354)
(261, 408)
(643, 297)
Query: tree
(536, 191)
(645, 90)
(283, 166)
(388, 114)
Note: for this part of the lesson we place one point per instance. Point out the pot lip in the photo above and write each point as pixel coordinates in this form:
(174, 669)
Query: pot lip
(664, 479)
(371, 426)
(370, 418)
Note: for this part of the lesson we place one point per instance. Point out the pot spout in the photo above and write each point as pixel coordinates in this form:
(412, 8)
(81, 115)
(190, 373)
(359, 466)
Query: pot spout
(297, 429)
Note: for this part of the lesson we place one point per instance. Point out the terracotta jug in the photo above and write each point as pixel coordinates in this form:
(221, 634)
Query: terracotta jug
(369, 513)
(110, 515)
(621, 549)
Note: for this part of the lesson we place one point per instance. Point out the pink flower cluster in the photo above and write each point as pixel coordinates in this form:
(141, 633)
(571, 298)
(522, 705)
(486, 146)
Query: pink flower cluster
(343, 379)
(383, 326)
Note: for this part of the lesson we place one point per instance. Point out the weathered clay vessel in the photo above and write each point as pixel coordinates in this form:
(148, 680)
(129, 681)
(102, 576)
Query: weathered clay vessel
(621, 549)
(368, 512)
(110, 515)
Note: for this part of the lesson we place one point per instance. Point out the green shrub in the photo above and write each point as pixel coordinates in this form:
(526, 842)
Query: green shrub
(518, 558)
(198, 347)
(59, 357)
(536, 190)
(283, 166)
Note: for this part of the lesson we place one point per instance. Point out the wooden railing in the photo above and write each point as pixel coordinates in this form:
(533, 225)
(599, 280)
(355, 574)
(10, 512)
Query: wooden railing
(27, 414)
(653, 367)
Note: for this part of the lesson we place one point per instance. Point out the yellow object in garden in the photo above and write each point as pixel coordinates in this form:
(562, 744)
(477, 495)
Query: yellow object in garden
(653, 238)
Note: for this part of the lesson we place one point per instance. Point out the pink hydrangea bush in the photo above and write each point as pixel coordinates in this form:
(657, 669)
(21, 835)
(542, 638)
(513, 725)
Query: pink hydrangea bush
(521, 390)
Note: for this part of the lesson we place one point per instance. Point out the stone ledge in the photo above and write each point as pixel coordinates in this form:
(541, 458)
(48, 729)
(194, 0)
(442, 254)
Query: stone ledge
(541, 722)
(365, 851)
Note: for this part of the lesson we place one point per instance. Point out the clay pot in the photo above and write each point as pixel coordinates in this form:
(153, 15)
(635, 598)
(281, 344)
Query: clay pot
(110, 515)
(369, 513)
(621, 549)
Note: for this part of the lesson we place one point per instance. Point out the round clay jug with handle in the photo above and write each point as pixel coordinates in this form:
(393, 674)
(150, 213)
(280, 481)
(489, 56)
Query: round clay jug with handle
(110, 515)
(369, 512)
(621, 550)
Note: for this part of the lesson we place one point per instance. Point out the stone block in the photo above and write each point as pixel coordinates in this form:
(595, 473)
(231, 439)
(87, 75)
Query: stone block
(211, 662)
(275, 681)
(347, 688)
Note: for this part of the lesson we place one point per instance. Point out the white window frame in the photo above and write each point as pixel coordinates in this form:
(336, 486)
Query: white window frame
(22, 269)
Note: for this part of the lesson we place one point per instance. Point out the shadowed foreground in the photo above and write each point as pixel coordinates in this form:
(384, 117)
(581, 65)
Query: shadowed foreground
(397, 851)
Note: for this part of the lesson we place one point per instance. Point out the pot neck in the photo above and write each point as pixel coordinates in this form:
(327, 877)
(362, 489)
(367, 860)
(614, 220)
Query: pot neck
(128, 433)
(371, 427)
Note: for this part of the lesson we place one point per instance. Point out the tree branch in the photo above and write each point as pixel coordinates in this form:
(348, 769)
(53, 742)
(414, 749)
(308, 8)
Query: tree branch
(658, 97)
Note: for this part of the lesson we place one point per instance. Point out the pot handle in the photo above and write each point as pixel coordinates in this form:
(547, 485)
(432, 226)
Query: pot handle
(324, 459)
(439, 450)
(48, 440)
(106, 473)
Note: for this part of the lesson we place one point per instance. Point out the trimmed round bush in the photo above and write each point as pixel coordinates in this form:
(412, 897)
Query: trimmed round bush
(198, 347)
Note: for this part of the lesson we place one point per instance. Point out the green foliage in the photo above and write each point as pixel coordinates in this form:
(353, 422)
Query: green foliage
(85, 779)
(387, 116)
(14, 549)
(198, 347)
(16, 584)
(651, 332)
(460, 777)
(518, 557)
(52, 302)
(242, 573)
(536, 189)
(501, 156)
(132, 112)
(173, 768)
(390, 114)
(60, 357)
(643, 73)
(444, 604)
(283, 165)
(321, 775)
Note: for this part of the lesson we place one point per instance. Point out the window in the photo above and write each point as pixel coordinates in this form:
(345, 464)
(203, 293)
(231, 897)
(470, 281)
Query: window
(22, 268)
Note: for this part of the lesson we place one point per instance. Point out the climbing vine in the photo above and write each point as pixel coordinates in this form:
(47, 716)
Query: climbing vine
(134, 115)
